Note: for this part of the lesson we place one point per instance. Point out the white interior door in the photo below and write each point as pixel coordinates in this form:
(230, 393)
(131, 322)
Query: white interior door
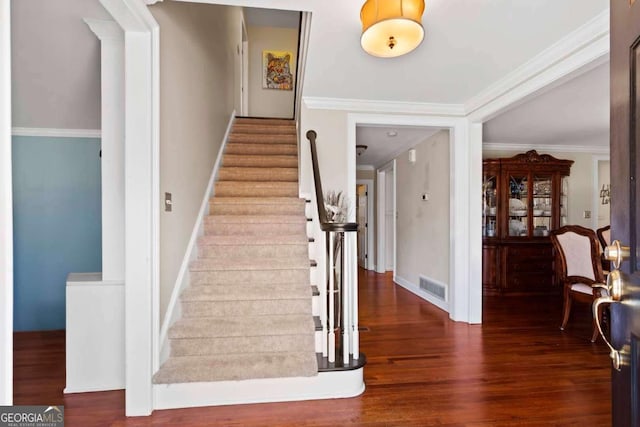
(389, 216)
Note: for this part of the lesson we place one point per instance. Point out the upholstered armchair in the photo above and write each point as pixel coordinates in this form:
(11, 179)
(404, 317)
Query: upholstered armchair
(580, 268)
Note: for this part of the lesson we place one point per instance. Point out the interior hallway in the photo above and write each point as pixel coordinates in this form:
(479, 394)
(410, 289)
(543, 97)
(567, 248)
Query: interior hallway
(423, 369)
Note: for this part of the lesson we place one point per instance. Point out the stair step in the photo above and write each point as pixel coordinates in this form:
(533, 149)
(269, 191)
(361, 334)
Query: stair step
(265, 128)
(253, 229)
(282, 239)
(262, 149)
(222, 345)
(236, 367)
(267, 250)
(255, 219)
(256, 206)
(248, 277)
(231, 292)
(256, 189)
(193, 309)
(261, 137)
(258, 174)
(264, 121)
(246, 160)
(247, 264)
(239, 326)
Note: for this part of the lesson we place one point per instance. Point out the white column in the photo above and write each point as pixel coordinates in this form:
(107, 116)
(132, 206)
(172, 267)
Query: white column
(6, 209)
(111, 38)
(475, 223)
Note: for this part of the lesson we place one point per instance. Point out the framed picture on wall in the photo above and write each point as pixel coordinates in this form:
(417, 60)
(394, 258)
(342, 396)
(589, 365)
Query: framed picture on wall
(276, 68)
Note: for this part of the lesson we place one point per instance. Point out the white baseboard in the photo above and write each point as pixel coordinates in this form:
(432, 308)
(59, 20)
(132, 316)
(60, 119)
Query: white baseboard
(326, 385)
(419, 292)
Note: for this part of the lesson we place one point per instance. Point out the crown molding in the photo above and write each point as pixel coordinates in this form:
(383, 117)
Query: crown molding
(373, 106)
(151, 2)
(579, 51)
(551, 148)
(56, 133)
(365, 168)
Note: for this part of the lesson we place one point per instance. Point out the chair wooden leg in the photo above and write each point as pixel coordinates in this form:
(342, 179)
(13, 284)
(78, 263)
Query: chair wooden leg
(566, 311)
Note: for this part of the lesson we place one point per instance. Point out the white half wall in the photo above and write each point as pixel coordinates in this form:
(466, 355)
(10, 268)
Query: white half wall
(197, 52)
(6, 211)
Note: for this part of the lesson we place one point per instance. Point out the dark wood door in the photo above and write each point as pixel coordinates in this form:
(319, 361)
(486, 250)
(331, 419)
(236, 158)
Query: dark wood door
(625, 211)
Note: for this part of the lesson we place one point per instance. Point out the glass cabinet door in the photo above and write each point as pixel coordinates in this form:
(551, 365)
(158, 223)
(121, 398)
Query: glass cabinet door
(489, 206)
(542, 205)
(564, 200)
(518, 204)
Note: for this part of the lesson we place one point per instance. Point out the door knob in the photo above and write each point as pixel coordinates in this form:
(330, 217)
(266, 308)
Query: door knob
(615, 288)
(616, 253)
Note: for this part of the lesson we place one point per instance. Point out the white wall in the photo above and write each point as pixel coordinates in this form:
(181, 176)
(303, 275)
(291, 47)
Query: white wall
(197, 47)
(56, 65)
(423, 231)
(581, 191)
(6, 223)
(270, 102)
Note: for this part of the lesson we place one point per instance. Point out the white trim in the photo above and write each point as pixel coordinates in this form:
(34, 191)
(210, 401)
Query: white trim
(578, 52)
(561, 148)
(365, 167)
(182, 281)
(414, 289)
(373, 106)
(380, 213)
(57, 133)
(464, 304)
(142, 207)
(371, 220)
(295, 5)
(596, 189)
(326, 385)
(6, 211)
(475, 221)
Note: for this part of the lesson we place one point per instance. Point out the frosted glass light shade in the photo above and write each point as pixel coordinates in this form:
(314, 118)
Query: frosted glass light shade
(391, 27)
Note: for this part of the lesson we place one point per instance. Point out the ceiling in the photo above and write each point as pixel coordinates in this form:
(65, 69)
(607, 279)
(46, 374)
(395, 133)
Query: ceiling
(381, 147)
(259, 17)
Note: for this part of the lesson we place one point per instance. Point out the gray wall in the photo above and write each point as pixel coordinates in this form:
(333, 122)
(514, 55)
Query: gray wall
(423, 232)
(197, 55)
(270, 102)
(55, 64)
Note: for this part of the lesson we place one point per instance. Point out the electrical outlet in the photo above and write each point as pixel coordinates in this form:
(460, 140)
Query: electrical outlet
(168, 204)
(586, 214)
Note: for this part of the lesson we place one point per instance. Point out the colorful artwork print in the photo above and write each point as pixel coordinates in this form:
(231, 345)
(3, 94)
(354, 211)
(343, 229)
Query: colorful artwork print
(277, 70)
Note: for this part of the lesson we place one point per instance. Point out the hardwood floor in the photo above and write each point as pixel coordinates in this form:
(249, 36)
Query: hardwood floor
(517, 369)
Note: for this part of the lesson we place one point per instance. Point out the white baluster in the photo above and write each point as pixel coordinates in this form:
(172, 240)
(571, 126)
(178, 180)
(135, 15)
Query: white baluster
(322, 288)
(331, 293)
(355, 334)
(346, 297)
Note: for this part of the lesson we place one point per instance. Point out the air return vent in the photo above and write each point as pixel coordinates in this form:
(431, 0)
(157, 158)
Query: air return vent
(434, 288)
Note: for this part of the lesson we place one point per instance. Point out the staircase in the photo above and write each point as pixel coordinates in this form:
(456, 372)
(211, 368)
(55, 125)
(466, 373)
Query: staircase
(247, 313)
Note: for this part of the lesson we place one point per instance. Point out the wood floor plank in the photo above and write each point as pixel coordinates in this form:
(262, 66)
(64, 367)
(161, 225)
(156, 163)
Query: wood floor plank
(516, 369)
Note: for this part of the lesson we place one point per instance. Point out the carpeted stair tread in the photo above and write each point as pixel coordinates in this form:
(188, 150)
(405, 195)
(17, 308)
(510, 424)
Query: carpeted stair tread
(255, 251)
(278, 161)
(255, 219)
(237, 326)
(273, 128)
(253, 229)
(234, 367)
(197, 309)
(258, 174)
(256, 188)
(262, 138)
(264, 121)
(234, 345)
(231, 292)
(246, 264)
(297, 201)
(281, 239)
(247, 277)
(252, 148)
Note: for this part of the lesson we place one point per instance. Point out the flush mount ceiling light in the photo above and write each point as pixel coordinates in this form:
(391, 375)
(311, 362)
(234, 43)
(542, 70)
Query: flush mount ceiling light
(360, 149)
(391, 27)
(392, 133)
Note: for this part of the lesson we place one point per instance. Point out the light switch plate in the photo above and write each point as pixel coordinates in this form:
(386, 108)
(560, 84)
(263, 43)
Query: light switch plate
(586, 214)
(168, 204)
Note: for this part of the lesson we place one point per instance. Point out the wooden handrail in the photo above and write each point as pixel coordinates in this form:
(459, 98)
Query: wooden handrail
(325, 225)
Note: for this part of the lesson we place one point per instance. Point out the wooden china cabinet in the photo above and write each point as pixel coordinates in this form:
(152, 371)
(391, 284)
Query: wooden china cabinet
(523, 198)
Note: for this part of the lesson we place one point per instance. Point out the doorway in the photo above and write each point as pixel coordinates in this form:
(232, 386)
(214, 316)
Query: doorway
(365, 216)
(387, 214)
